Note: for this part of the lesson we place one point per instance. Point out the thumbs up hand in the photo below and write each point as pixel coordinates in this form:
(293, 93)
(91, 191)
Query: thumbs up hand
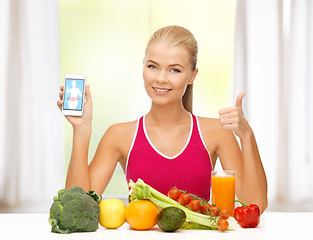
(233, 119)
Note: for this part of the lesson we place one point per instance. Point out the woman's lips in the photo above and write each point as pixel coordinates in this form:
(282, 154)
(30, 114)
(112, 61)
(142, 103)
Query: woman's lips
(161, 91)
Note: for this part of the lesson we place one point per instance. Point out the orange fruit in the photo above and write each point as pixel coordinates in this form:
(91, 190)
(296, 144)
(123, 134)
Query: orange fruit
(141, 215)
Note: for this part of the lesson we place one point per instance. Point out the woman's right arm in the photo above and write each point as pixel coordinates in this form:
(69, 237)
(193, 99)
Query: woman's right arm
(78, 173)
(113, 147)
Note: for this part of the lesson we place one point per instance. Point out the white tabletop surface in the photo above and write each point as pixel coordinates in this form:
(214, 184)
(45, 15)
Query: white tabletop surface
(273, 225)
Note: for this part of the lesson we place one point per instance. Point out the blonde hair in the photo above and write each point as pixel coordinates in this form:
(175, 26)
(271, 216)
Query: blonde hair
(179, 37)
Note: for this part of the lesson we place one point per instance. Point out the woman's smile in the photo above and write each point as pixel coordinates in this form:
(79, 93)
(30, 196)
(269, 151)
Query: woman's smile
(161, 91)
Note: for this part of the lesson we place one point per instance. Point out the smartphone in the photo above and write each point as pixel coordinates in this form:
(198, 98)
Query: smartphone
(74, 94)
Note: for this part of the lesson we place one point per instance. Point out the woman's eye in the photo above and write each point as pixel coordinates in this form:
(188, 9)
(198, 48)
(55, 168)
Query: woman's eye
(175, 70)
(152, 66)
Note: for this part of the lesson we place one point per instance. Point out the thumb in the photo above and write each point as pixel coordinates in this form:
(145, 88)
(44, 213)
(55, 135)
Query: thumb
(88, 93)
(239, 99)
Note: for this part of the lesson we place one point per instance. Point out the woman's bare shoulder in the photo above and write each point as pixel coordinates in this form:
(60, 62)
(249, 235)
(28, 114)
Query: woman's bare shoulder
(124, 129)
(118, 138)
(213, 127)
(218, 140)
(212, 124)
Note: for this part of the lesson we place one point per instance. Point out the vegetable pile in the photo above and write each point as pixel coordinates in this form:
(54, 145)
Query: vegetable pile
(74, 210)
(195, 219)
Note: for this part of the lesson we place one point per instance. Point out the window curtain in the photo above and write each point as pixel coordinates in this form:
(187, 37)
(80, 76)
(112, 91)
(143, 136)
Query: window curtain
(31, 154)
(273, 62)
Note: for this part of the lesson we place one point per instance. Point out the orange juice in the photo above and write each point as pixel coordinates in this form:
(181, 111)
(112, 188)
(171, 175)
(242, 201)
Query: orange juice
(223, 189)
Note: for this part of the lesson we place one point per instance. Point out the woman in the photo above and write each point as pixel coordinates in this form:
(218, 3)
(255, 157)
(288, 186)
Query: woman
(169, 146)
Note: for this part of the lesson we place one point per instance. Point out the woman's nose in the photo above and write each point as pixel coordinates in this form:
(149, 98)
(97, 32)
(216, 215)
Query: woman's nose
(161, 77)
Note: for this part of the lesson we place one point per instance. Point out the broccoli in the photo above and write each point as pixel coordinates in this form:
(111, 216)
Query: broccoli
(74, 210)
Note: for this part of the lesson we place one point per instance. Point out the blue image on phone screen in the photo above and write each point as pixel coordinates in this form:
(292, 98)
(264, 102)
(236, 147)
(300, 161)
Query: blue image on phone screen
(73, 94)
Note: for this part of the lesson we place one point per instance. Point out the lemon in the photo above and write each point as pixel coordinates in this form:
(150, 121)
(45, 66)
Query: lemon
(112, 213)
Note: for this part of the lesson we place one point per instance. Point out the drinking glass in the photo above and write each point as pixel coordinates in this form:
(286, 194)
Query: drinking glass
(223, 189)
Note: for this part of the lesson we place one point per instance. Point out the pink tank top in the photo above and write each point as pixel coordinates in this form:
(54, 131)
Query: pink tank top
(189, 170)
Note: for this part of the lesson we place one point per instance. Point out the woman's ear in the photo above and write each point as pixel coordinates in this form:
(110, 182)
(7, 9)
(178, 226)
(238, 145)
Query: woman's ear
(193, 76)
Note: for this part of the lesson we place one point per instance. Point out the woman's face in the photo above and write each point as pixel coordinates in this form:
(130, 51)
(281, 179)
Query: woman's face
(167, 72)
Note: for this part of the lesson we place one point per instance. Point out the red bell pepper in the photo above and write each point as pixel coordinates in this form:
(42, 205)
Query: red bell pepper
(247, 216)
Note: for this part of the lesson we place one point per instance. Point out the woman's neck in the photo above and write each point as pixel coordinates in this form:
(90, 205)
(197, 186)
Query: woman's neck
(167, 115)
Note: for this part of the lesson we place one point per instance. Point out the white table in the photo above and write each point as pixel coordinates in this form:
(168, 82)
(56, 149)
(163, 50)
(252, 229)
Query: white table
(273, 225)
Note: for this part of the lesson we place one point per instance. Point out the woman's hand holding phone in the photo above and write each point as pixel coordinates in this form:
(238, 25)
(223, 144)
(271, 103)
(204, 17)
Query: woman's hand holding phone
(86, 118)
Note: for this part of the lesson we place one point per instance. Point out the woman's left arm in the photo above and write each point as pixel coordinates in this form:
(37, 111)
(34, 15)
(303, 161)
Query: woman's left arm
(252, 178)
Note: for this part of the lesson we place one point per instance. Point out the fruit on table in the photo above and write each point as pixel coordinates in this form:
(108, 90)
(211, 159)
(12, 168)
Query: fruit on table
(222, 225)
(112, 213)
(224, 213)
(174, 193)
(141, 214)
(195, 205)
(170, 219)
(184, 198)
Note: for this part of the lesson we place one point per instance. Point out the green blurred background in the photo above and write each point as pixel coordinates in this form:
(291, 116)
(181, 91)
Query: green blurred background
(106, 40)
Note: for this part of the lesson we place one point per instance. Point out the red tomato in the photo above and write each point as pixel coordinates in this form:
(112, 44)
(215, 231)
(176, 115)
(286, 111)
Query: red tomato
(224, 213)
(215, 211)
(204, 208)
(194, 205)
(184, 198)
(222, 225)
(174, 194)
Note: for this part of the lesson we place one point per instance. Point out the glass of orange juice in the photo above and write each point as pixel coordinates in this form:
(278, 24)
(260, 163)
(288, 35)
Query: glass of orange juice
(223, 189)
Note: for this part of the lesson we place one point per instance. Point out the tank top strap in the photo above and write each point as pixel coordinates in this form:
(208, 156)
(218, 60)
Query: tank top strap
(196, 134)
(139, 138)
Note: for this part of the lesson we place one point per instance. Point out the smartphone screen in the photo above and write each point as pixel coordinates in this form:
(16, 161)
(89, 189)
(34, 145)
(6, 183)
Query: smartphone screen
(73, 94)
